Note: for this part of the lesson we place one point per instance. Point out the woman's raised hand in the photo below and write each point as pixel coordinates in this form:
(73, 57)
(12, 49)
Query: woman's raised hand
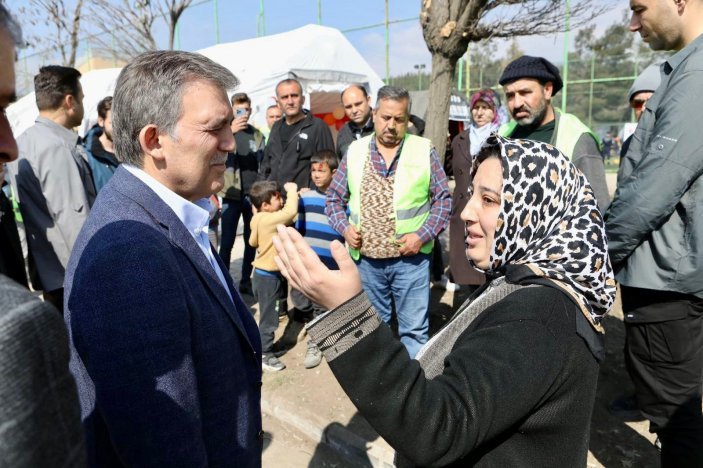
(305, 272)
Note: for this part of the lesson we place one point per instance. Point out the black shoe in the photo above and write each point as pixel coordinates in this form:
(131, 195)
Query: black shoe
(278, 349)
(245, 288)
(625, 407)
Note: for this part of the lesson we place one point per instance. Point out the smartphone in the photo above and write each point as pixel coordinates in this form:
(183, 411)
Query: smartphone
(240, 112)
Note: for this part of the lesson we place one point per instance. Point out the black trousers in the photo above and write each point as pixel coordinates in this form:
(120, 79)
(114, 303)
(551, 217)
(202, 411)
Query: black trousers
(664, 357)
(267, 290)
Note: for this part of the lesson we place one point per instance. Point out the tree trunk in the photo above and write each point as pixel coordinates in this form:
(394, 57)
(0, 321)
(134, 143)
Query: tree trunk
(441, 82)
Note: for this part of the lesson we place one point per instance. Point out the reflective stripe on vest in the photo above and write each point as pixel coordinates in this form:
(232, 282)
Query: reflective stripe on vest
(569, 130)
(411, 185)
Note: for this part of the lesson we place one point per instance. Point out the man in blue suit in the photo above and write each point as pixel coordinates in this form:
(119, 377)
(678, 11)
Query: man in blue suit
(166, 356)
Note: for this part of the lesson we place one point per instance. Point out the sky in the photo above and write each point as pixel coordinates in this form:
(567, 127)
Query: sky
(239, 19)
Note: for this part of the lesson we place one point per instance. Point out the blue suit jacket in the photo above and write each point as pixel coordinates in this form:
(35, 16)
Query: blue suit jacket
(168, 369)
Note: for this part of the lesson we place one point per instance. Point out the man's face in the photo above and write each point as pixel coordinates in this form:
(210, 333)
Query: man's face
(273, 114)
(390, 121)
(638, 102)
(195, 156)
(528, 100)
(356, 106)
(8, 146)
(76, 112)
(290, 99)
(106, 124)
(658, 23)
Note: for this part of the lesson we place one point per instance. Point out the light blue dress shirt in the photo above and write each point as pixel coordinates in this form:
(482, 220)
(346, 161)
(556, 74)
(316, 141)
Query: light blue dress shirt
(194, 216)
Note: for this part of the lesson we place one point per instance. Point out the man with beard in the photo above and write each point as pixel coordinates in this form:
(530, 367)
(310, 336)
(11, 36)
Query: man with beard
(529, 84)
(52, 177)
(357, 106)
(98, 145)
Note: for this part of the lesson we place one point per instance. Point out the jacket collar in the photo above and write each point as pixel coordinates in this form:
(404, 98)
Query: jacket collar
(177, 234)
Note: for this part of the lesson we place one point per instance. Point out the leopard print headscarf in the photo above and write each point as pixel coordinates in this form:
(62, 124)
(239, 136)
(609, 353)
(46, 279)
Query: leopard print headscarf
(549, 221)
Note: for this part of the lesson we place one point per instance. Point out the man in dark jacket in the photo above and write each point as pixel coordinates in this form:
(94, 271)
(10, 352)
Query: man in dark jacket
(98, 145)
(294, 139)
(357, 106)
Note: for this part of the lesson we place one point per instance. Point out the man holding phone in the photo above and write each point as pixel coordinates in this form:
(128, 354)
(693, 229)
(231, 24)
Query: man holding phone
(241, 172)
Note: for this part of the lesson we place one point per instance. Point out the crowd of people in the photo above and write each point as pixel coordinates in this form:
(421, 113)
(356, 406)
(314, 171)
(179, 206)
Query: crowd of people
(128, 234)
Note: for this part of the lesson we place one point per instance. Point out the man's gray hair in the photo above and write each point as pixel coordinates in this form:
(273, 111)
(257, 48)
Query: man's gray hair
(150, 90)
(394, 93)
(8, 23)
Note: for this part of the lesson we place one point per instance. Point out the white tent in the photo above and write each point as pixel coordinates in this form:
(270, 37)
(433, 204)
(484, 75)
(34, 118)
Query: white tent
(321, 58)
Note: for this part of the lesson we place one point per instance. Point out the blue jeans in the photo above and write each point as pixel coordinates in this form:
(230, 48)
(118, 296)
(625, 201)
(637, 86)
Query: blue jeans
(406, 282)
(231, 210)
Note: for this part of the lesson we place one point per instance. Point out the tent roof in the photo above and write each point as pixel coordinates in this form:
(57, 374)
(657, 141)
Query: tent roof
(320, 57)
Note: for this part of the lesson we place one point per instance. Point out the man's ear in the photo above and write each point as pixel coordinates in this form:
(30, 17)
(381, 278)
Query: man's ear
(69, 102)
(150, 142)
(548, 89)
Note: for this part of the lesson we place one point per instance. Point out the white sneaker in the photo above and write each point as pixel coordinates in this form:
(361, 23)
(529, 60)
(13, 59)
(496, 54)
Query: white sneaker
(445, 283)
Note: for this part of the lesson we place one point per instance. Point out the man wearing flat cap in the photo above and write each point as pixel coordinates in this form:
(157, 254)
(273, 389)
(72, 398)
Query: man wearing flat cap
(529, 84)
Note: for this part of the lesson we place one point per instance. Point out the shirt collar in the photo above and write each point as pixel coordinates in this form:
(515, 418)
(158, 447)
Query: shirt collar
(69, 136)
(367, 126)
(675, 60)
(194, 216)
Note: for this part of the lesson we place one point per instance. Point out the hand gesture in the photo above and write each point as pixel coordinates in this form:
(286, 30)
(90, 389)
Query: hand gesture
(305, 272)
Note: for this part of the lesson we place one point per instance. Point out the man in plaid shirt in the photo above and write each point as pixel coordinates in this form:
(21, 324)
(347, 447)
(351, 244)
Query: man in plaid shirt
(396, 191)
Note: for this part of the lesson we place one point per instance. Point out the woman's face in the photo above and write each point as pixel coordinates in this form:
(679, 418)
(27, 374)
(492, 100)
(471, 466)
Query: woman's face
(482, 114)
(481, 212)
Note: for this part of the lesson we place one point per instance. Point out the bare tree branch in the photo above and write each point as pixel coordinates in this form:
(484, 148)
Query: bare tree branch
(125, 26)
(65, 28)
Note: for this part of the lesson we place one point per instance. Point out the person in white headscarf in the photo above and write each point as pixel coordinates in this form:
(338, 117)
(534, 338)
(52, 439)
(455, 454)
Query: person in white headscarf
(484, 121)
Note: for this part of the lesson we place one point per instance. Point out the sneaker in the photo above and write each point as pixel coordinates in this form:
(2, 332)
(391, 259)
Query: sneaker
(271, 363)
(625, 407)
(313, 356)
(446, 284)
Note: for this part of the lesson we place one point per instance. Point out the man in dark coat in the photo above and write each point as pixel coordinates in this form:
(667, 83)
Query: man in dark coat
(357, 106)
(166, 355)
(294, 138)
